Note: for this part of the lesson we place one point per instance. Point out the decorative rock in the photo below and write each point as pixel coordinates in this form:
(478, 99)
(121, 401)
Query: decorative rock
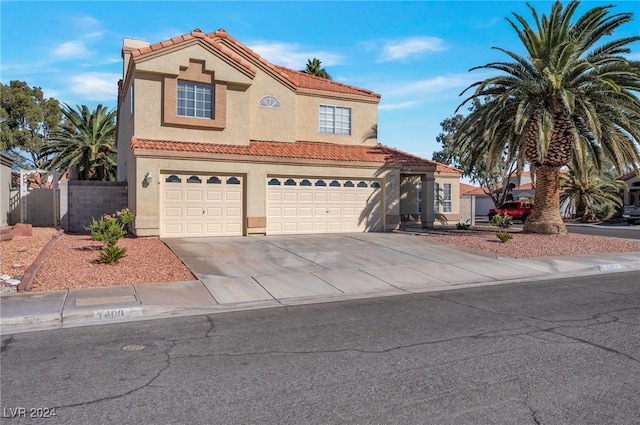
(22, 229)
(4, 277)
(23, 249)
(13, 282)
(16, 266)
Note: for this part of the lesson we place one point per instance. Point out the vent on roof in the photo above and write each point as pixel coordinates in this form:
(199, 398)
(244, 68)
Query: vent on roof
(196, 30)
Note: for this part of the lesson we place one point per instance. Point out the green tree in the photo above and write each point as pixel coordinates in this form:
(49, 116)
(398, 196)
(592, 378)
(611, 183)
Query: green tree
(314, 67)
(584, 189)
(85, 141)
(574, 93)
(489, 175)
(26, 121)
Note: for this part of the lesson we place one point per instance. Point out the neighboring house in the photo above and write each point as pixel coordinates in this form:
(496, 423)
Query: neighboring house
(631, 196)
(213, 140)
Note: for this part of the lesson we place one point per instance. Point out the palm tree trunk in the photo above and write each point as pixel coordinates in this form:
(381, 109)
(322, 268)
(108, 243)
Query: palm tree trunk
(546, 216)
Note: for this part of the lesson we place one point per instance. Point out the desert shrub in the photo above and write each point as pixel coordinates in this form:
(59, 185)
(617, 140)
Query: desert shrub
(503, 221)
(462, 226)
(109, 229)
(112, 254)
(504, 236)
(604, 211)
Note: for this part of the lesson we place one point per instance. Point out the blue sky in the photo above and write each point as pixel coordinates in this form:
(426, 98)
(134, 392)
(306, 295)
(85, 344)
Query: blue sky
(415, 54)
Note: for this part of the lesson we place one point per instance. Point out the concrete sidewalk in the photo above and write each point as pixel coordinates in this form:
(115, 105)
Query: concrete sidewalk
(251, 273)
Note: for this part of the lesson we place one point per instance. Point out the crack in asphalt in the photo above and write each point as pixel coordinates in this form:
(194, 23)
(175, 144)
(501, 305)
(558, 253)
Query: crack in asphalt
(5, 344)
(131, 391)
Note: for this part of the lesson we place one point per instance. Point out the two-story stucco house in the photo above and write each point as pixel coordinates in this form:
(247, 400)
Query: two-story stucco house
(213, 140)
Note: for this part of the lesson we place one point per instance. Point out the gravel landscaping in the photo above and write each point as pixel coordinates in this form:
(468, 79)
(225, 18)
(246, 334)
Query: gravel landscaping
(72, 263)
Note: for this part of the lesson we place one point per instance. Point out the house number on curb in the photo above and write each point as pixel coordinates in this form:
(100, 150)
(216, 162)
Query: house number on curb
(116, 313)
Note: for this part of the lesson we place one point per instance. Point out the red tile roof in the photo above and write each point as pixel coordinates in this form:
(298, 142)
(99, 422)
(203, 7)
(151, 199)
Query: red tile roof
(220, 39)
(299, 150)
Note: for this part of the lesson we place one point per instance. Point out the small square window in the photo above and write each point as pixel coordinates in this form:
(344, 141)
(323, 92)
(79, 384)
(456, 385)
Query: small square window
(335, 120)
(195, 100)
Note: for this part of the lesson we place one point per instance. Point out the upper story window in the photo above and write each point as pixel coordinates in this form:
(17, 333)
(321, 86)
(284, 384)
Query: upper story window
(270, 102)
(335, 120)
(195, 100)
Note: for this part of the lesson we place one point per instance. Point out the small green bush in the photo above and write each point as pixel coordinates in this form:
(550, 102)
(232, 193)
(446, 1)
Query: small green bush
(503, 221)
(462, 226)
(112, 254)
(109, 229)
(604, 211)
(504, 236)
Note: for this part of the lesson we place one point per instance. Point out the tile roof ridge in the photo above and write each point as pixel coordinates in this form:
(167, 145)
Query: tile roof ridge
(436, 163)
(303, 74)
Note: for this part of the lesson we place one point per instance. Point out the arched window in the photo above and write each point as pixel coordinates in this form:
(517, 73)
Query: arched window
(233, 180)
(305, 182)
(214, 180)
(362, 184)
(321, 183)
(348, 183)
(334, 183)
(173, 179)
(375, 185)
(274, 182)
(290, 182)
(194, 179)
(270, 102)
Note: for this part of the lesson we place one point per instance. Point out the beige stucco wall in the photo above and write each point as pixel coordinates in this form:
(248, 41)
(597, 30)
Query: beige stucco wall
(270, 124)
(363, 117)
(5, 188)
(147, 205)
(454, 216)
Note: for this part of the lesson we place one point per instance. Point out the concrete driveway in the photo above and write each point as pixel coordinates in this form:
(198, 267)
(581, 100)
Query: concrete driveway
(301, 267)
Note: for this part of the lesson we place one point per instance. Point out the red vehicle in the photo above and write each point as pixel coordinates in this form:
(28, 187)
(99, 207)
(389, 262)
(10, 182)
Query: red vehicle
(518, 210)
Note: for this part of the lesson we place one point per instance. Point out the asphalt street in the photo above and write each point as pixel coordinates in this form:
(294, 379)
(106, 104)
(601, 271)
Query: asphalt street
(547, 352)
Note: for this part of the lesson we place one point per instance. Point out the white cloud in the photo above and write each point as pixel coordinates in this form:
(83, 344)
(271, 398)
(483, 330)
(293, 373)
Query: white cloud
(432, 85)
(401, 49)
(96, 86)
(392, 106)
(70, 49)
(292, 55)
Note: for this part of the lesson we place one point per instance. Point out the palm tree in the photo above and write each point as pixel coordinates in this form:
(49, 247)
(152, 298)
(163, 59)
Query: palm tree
(574, 94)
(584, 189)
(85, 141)
(314, 68)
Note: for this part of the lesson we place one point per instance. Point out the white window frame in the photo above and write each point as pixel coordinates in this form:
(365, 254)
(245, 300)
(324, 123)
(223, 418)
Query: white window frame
(446, 197)
(334, 120)
(270, 102)
(436, 197)
(200, 106)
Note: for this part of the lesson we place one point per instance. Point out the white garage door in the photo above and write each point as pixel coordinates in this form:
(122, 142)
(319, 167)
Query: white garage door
(318, 205)
(201, 205)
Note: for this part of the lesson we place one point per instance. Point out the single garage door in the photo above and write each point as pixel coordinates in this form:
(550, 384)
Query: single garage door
(322, 205)
(201, 205)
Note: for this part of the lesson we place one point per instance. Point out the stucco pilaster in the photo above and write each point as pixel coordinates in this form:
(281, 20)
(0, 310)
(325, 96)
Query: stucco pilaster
(428, 213)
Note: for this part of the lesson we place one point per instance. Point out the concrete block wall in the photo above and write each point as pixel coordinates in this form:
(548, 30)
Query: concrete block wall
(90, 199)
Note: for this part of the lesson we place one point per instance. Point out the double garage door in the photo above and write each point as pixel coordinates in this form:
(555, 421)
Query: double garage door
(319, 205)
(195, 205)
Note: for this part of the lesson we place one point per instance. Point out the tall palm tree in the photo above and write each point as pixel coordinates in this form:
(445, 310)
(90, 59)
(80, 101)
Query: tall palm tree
(85, 141)
(583, 189)
(314, 67)
(574, 94)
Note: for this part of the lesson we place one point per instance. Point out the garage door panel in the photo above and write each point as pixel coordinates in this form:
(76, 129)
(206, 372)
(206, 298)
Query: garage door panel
(305, 197)
(214, 195)
(193, 195)
(193, 212)
(173, 212)
(173, 195)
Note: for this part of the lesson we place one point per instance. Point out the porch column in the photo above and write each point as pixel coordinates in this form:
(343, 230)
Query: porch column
(428, 187)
